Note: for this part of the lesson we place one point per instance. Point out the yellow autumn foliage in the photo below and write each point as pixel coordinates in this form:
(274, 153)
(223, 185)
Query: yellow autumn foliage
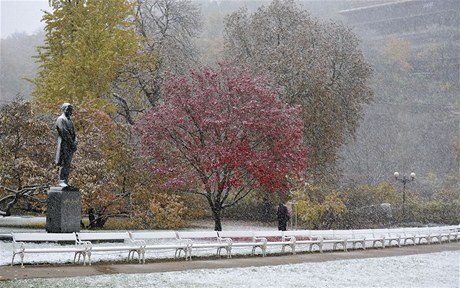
(317, 208)
(162, 210)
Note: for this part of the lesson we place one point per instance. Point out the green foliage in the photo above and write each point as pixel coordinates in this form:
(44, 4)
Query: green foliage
(315, 207)
(317, 65)
(442, 208)
(367, 195)
(435, 211)
(86, 44)
(364, 205)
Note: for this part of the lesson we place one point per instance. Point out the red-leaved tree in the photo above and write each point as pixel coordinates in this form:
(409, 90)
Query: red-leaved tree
(222, 135)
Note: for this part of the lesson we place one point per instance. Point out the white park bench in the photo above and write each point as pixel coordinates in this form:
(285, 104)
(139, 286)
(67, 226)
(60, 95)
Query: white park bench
(162, 240)
(453, 231)
(371, 236)
(304, 237)
(277, 238)
(445, 234)
(430, 234)
(350, 238)
(107, 242)
(245, 239)
(391, 237)
(67, 242)
(206, 240)
(409, 236)
(329, 238)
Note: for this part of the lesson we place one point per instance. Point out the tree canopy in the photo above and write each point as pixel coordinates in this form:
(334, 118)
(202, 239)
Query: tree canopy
(86, 43)
(222, 135)
(26, 157)
(318, 65)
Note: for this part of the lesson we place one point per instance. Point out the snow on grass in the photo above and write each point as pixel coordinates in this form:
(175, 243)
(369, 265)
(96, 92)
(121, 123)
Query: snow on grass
(424, 270)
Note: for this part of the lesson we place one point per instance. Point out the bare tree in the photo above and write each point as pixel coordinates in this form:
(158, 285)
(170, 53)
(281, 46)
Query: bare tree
(32, 195)
(167, 29)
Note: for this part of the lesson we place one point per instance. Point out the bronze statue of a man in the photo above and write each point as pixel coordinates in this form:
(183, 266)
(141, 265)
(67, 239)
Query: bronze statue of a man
(66, 144)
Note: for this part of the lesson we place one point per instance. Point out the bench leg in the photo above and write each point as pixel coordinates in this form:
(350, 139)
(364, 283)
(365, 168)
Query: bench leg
(12, 260)
(344, 245)
(22, 259)
(178, 252)
(89, 257)
(188, 251)
(320, 248)
(291, 245)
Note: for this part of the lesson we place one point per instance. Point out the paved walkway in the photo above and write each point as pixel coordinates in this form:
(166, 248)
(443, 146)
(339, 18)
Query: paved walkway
(56, 271)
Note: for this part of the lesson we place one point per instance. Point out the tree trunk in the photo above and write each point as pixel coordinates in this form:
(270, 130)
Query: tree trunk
(217, 222)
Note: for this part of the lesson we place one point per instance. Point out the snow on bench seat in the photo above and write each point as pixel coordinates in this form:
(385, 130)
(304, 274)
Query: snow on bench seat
(277, 238)
(23, 242)
(329, 238)
(389, 236)
(206, 239)
(371, 236)
(304, 237)
(245, 239)
(350, 238)
(453, 232)
(162, 240)
(430, 235)
(101, 242)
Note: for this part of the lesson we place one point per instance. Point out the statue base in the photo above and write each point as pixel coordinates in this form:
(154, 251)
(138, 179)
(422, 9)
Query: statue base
(64, 210)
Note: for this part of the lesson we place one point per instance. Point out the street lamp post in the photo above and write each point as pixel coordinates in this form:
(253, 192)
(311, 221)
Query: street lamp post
(404, 180)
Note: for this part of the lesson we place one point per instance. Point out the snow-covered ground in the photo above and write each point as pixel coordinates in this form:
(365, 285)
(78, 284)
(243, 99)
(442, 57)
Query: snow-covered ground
(417, 271)
(424, 270)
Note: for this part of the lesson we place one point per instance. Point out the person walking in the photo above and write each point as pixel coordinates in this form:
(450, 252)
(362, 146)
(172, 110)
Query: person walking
(283, 217)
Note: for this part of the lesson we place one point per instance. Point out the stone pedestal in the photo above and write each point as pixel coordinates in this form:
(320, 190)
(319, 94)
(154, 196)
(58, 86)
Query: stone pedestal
(64, 210)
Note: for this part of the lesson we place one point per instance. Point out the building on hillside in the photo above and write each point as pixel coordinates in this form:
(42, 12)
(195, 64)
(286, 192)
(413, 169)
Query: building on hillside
(431, 26)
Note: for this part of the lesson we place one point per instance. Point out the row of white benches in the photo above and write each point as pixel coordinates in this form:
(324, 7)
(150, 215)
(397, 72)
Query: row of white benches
(83, 244)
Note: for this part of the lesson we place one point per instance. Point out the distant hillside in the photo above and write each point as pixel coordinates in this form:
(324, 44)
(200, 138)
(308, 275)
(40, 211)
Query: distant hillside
(16, 63)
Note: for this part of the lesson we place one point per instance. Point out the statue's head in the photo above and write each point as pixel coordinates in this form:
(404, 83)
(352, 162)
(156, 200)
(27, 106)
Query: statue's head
(67, 108)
